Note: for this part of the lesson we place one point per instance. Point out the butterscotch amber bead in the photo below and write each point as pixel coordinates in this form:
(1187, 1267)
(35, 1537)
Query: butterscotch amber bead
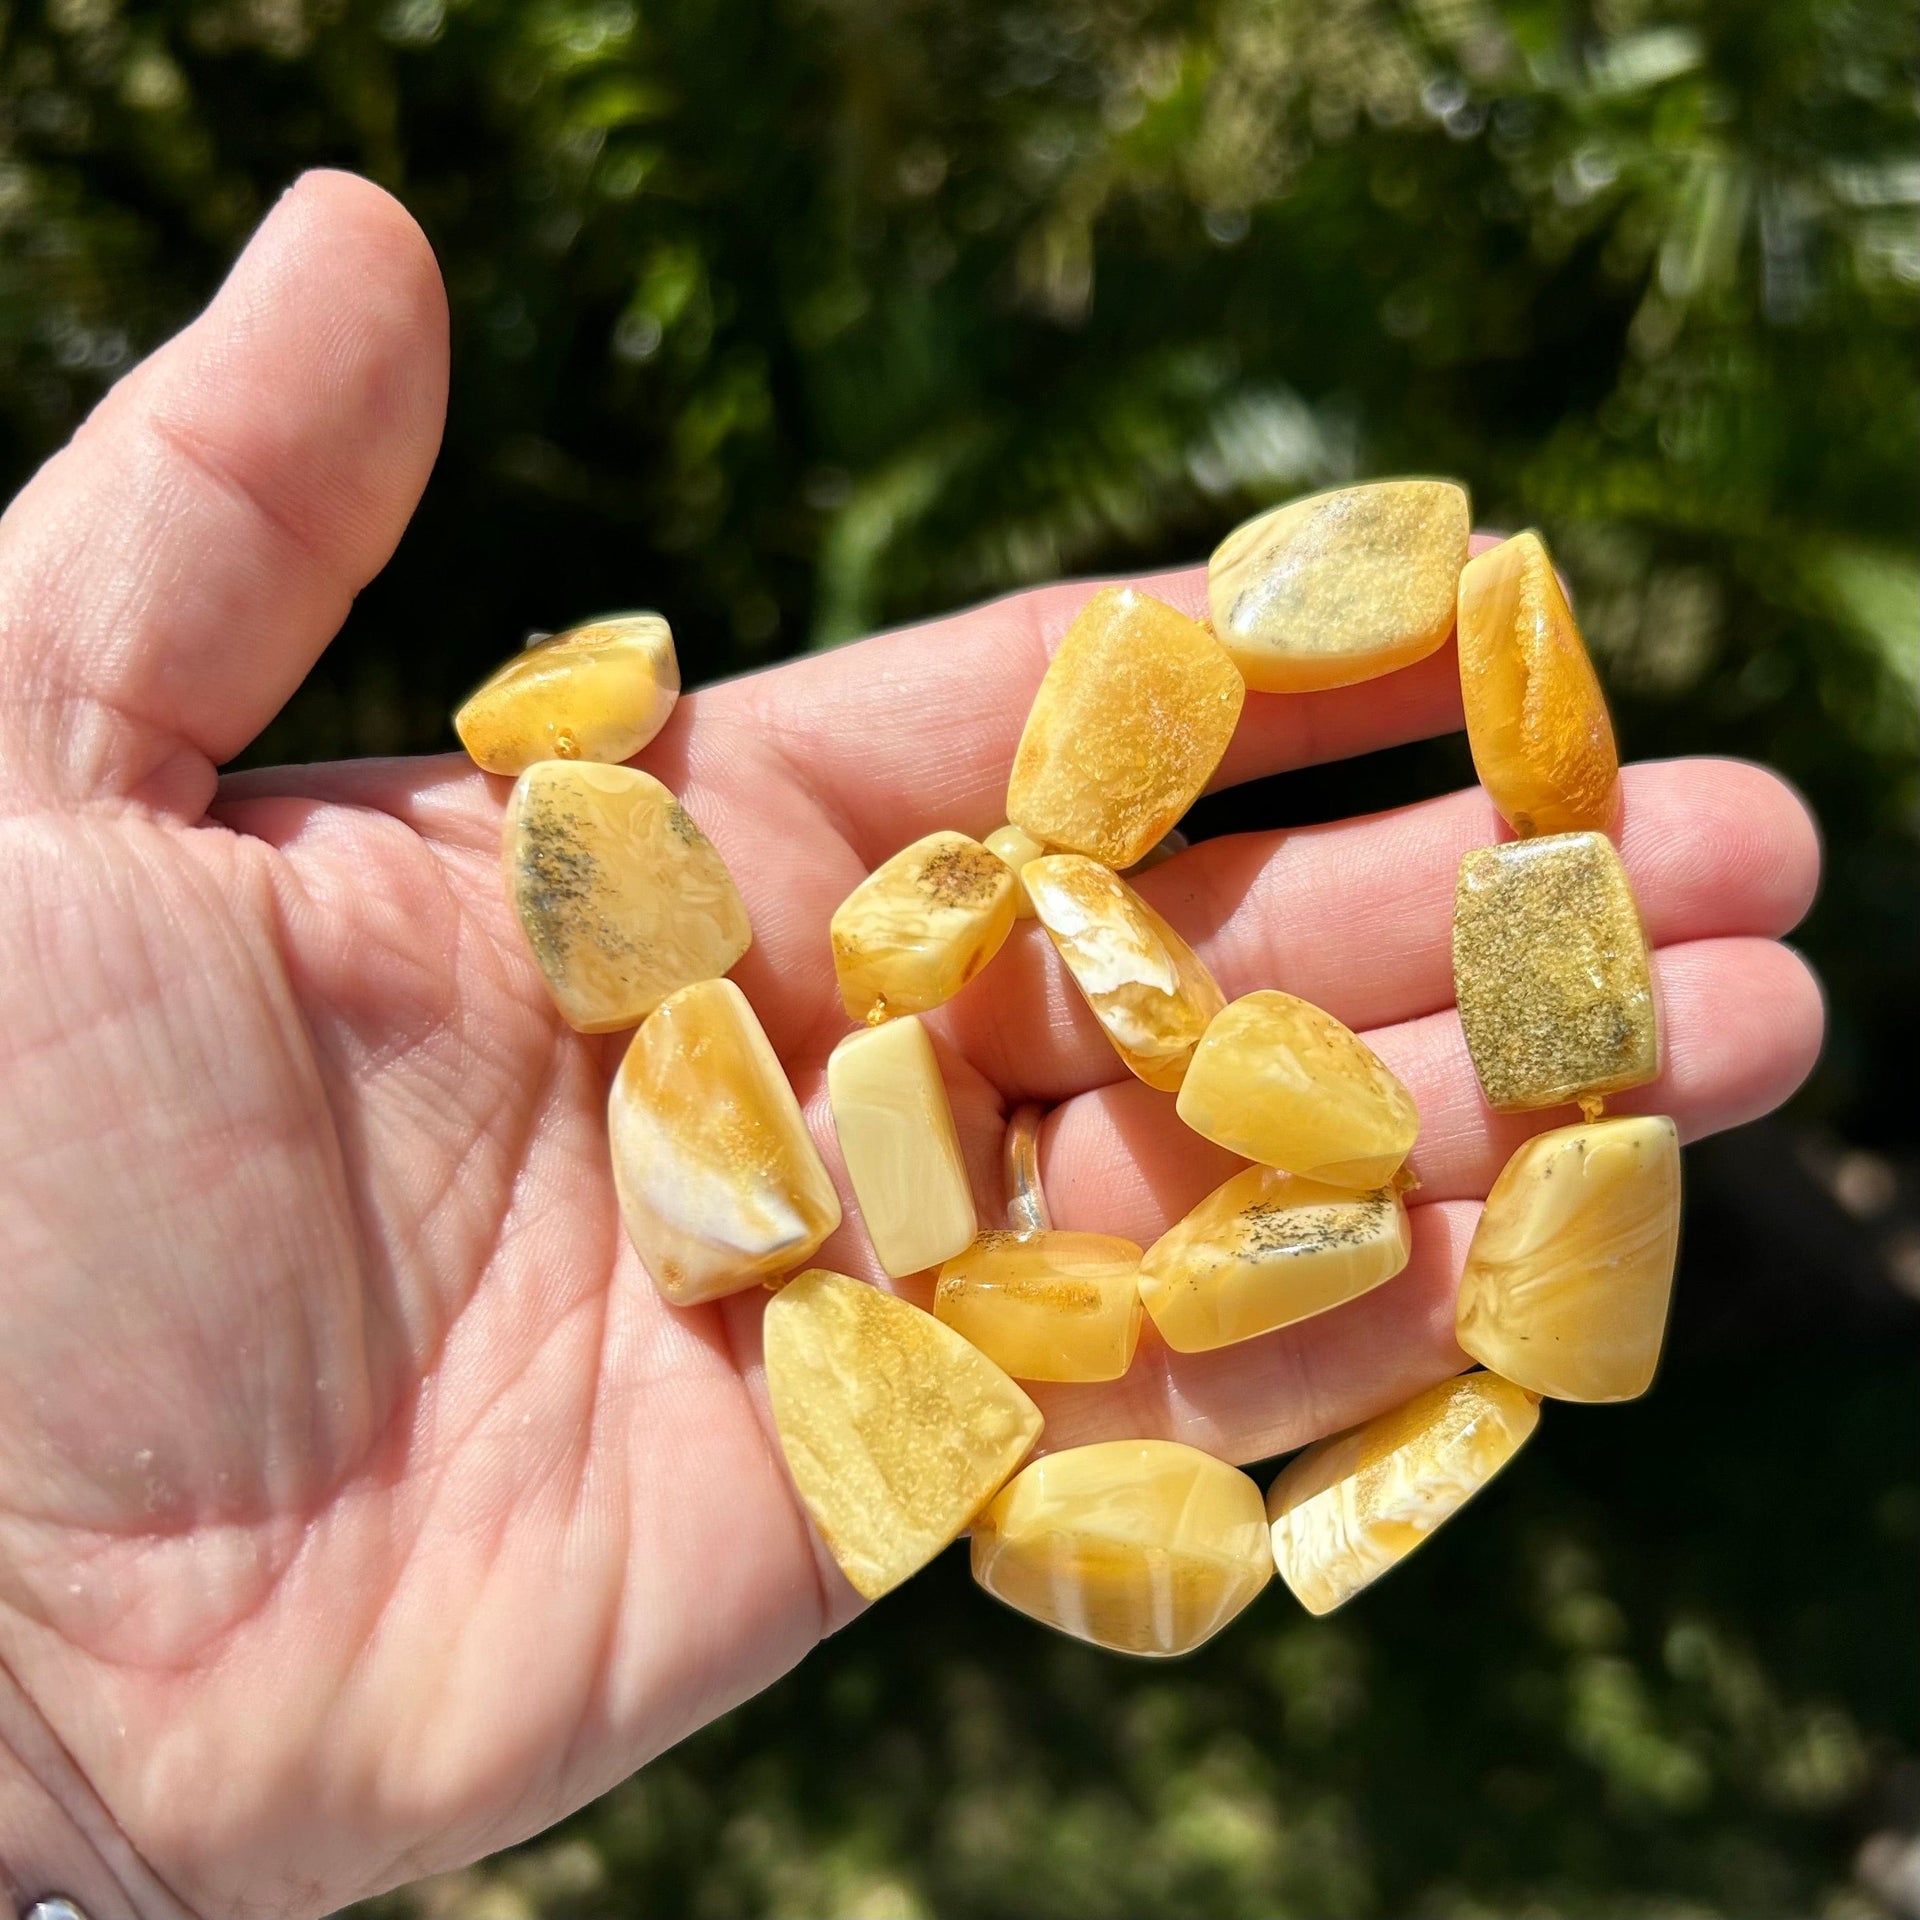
(1278, 1080)
(1571, 1267)
(1130, 721)
(901, 1148)
(1150, 991)
(1536, 719)
(920, 926)
(1354, 1505)
(896, 1431)
(1340, 586)
(1550, 972)
(719, 1182)
(1046, 1306)
(623, 899)
(1267, 1249)
(596, 692)
(1140, 1546)
(1015, 846)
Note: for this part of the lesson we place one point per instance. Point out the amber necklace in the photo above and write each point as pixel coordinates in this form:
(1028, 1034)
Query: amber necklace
(904, 1429)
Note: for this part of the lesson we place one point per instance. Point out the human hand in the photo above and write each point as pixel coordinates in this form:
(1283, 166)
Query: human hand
(362, 1509)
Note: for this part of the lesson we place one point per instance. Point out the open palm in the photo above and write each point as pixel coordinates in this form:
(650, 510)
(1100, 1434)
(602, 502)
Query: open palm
(361, 1507)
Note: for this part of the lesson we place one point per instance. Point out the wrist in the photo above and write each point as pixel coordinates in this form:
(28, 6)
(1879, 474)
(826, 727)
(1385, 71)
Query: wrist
(56, 1835)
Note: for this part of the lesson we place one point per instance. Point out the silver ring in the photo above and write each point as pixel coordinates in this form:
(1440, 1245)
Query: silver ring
(1026, 1198)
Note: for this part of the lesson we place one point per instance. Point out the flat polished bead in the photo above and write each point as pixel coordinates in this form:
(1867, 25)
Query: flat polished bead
(1550, 972)
(1046, 1306)
(1136, 708)
(1354, 1505)
(1015, 847)
(623, 899)
(1140, 1546)
(1267, 1249)
(719, 1182)
(896, 1431)
(1341, 586)
(902, 1152)
(1571, 1267)
(1276, 1079)
(1150, 991)
(596, 692)
(1536, 719)
(920, 926)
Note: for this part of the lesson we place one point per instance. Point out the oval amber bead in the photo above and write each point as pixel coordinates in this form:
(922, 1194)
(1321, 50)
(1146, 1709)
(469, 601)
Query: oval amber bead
(1278, 1080)
(1140, 1546)
(1341, 586)
(1537, 721)
(1015, 846)
(596, 692)
(623, 899)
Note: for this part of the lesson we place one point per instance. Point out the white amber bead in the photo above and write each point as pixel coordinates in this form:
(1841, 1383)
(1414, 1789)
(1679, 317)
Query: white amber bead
(1571, 1267)
(1267, 1249)
(920, 926)
(901, 1149)
(1048, 1305)
(1150, 991)
(719, 1183)
(596, 692)
(1141, 1546)
(896, 1430)
(623, 899)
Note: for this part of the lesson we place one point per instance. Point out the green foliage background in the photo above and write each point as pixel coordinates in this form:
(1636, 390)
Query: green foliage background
(796, 317)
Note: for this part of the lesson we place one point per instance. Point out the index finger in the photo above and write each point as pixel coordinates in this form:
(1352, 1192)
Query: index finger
(915, 730)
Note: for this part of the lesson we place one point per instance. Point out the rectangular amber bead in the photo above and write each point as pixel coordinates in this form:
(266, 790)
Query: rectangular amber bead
(1046, 1306)
(901, 1148)
(1551, 974)
(1136, 708)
